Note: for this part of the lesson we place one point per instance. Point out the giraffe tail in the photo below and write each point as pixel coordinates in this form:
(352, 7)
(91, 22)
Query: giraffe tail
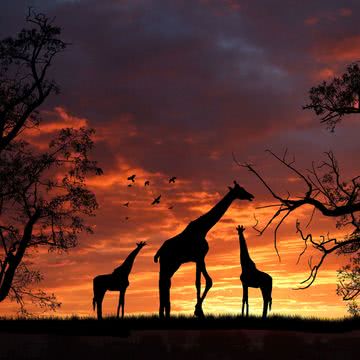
(270, 303)
(156, 257)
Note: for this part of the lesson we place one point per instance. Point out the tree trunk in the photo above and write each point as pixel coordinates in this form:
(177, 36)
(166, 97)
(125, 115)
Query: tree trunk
(15, 260)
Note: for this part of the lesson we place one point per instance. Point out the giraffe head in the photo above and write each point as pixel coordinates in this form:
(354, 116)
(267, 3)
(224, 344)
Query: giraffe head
(240, 192)
(240, 229)
(141, 244)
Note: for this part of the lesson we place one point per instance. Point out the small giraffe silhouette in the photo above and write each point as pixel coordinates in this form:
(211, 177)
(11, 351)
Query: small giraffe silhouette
(252, 277)
(118, 280)
(191, 246)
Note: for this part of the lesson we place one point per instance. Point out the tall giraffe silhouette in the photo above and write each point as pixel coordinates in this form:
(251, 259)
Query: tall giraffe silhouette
(252, 277)
(191, 246)
(118, 280)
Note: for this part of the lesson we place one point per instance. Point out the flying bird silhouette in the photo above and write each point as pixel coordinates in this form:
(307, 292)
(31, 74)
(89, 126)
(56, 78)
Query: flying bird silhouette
(129, 185)
(156, 200)
(126, 204)
(147, 183)
(132, 178)
(172, 179)
(171, 207)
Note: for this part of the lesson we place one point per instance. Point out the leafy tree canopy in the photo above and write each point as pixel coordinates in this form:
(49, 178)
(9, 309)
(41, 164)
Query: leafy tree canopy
(44, 200)
(332, 100)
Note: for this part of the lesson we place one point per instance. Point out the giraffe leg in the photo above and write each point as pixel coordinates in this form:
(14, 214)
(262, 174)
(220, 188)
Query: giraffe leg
(100, 283)
(167, 299)
(164, 288)
(198, 283)
(119, 303)
(99, 301)
(161, 298)
(167, 270)
(266, 294)
(122, 303)
(265, 302)
(208, 284)
(245, 300)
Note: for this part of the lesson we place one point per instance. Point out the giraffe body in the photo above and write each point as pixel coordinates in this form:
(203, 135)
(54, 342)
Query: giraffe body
(118, 280)
(252, 277)
(191, 246)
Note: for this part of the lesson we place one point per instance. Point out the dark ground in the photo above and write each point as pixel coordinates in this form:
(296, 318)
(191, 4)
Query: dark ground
(185, 339)
(184, 345)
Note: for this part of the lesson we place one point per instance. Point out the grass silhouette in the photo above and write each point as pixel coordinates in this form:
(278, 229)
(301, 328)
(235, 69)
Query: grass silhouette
(111, 326)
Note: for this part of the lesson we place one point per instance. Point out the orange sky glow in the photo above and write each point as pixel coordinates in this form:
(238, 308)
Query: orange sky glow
(177, 100)
(70, 275)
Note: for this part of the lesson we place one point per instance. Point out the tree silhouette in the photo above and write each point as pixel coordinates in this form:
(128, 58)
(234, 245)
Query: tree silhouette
(328, 195)
(24, 65)
(331, 101)
(44, 199)
(43, 194)
(325, 189)
(349, 283)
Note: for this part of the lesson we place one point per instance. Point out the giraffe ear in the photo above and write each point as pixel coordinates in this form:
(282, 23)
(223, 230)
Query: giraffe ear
(230, 188)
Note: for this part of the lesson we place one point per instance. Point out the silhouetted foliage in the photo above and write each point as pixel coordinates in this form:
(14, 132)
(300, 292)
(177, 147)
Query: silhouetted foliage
(44, 198)
(43, 195)
(349, 283)
(24, 65)
(331, 101)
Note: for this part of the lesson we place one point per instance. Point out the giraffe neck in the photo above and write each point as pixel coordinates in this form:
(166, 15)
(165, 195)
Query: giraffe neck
(244, 253)
(126, 266)
(205, 222)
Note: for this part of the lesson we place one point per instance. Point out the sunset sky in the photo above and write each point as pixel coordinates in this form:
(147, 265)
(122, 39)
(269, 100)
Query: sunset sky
(172, 88)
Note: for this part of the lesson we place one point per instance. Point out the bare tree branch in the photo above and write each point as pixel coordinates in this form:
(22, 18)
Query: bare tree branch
(325, 192)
